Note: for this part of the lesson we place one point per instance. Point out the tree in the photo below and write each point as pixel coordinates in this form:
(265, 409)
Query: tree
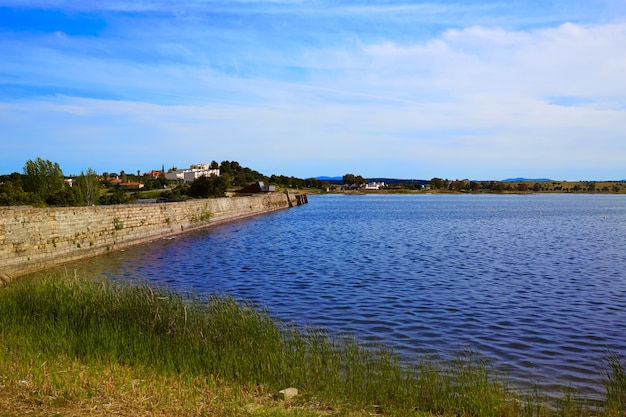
(459, 185)
(64, 198)
(87, 188)
(12, 194)
(436, 183)
(162, 180)
(225, 167)
(234, 166)
(43, 178)
(349, 179)
(204, 187)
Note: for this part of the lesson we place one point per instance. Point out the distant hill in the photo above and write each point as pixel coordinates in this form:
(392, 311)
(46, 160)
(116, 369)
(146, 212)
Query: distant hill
(525, 179)
(329, 178)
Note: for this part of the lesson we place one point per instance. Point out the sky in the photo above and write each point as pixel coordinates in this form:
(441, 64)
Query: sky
(477, 89)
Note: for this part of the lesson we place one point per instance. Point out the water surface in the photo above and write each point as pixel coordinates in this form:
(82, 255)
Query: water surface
(535, 282)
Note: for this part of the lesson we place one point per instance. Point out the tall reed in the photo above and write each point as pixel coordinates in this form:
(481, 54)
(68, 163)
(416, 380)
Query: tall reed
(614, 377)
(165, 333)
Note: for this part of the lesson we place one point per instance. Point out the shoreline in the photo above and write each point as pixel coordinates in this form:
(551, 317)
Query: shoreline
(34, 239)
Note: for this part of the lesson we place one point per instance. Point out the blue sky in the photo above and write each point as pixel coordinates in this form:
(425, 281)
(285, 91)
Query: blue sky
(407, 89)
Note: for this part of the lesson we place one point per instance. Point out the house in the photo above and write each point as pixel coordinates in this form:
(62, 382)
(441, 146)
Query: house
(257, 187)
(194, 171)
(154, 174)
(131, 185)
(374, 185)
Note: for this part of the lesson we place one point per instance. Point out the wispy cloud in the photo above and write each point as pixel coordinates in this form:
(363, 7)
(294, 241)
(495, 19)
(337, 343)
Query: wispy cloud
(311, 88)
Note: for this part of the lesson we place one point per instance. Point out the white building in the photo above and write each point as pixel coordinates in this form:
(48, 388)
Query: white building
(374, 185)
(194, 171)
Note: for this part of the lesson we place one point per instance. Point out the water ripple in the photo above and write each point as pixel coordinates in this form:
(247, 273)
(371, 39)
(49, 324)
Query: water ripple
(536, 283)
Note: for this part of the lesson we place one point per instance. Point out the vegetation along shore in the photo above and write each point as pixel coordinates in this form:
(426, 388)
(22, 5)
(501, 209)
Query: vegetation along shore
(70, 346)
(42, 184)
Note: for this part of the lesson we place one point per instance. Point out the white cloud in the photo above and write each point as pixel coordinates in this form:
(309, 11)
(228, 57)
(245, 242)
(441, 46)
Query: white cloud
(467, 99)
(569, 60)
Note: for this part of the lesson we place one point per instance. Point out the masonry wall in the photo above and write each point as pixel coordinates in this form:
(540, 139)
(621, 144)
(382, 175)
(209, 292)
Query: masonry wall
(33, 239)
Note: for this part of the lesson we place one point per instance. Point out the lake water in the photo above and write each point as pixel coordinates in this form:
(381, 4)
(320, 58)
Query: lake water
(537, 283)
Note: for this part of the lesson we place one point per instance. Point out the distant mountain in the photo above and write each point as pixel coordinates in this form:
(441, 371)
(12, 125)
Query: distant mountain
(525, 179)
(329, 178)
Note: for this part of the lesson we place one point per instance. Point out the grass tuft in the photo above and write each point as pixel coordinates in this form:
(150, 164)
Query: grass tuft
(614, 377)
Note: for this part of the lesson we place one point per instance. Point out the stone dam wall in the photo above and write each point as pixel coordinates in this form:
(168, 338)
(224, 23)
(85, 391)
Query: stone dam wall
(34, 239)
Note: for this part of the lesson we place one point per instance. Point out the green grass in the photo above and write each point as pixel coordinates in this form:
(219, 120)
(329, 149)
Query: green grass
(165, 336)
(614, 377)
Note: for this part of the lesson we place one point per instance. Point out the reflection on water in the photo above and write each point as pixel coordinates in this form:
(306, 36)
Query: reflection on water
(535, 282)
